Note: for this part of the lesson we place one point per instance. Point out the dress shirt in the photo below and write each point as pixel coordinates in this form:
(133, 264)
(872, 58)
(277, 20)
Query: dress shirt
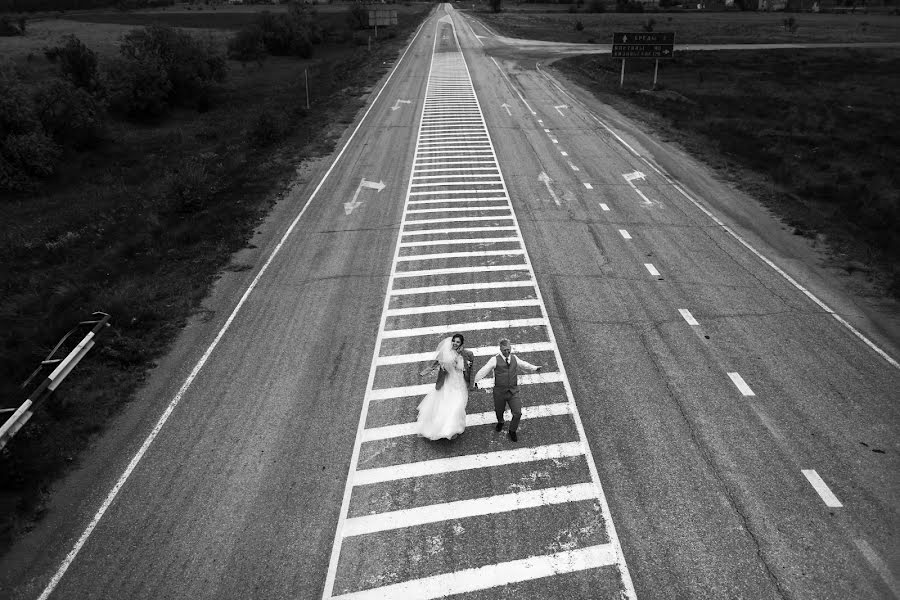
(490, 365)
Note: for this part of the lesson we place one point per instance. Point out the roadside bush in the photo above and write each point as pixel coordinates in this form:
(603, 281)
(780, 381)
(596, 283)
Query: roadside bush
(248, 44)
(358, 17)
(163, 67)
(629, 6)
(790, 24)
(9, 26)
(27, 157)
(596, 6)
(69, 114)
(191, 185)
(138, 89)
(77, 62)
(267, 128)
(292, 34)
(579, 26)
(497, 5)
(648, 25)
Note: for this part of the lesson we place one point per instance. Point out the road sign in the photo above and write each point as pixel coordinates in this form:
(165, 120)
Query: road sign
(644, 44)
(382, 17)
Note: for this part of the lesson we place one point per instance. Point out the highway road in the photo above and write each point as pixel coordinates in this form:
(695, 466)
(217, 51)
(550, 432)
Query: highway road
(704, 426)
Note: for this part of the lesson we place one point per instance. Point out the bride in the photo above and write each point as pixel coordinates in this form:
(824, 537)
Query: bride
(442, 412)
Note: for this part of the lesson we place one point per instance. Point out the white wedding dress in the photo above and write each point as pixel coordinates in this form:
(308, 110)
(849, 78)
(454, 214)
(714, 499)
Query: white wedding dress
(442, 413)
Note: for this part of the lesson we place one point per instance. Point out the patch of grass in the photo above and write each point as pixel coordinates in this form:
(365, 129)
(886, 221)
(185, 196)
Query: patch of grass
(819, 150)
(140, 226)
(695, 27)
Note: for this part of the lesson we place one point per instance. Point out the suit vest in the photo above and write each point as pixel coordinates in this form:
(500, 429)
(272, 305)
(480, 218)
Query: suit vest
(506, 377)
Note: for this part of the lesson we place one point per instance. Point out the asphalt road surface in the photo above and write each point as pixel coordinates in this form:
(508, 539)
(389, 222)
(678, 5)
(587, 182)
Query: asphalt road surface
(703, 426)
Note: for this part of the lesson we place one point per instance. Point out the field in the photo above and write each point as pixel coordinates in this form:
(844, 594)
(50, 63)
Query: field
(106, 233)
(809, 132)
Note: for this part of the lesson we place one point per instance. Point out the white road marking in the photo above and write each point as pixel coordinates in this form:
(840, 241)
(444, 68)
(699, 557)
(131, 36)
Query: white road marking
(603, 206)
(443, 255)
(460, 242)
(625, 234)
(652, 269)
(111, 496)
(484, 285)
(472, 420)
(688, 316)
(521, 348)
(823, 490)
(461, 306)
(452, 65)
(457, 200)
(564, 153)
(879, 565)
(492, 576)
(455, 270)
(485, 384)
(461, 509)
(458, 230)
(588, 186)
(466, 326)
(468, 462)
(741, 384)
(554, 140)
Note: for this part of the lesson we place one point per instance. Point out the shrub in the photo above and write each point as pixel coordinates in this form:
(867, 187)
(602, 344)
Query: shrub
(289, 35)
(358, 17)
(77, 62)
(248, 44)
(163, 67)
(497, 5)
(597, 6)
(10, 27)
(790, 24)
(648, 25)
(191, 186)
(138, 89)
(267, 128)
(579, 26)
(69, 114)
(26, 157)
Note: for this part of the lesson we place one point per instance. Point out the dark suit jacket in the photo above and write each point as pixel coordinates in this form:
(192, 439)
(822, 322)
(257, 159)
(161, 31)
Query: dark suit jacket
(468, 364)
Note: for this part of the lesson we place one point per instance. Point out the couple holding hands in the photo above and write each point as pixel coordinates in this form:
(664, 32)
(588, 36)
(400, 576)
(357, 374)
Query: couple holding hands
(442, 412)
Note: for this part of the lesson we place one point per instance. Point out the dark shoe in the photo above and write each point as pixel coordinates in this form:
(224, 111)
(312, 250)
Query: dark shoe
(513, 436)
(499, 426)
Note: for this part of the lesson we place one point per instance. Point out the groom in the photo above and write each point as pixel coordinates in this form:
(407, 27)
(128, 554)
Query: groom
(468, 360)
(506, 367)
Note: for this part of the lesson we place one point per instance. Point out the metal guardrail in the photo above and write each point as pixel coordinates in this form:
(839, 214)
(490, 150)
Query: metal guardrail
(63, 366)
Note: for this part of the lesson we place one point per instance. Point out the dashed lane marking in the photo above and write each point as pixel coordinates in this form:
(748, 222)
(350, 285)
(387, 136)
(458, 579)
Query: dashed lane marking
(822, 489)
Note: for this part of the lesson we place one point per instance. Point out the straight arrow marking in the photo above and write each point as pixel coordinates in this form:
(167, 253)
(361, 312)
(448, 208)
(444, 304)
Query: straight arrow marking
(545, 179)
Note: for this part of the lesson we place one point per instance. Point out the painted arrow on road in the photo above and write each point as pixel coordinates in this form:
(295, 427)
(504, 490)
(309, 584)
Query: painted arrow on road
(349, 206)
(506, 106)
(545, 179)
(398, 103)
(630, 178)
(559, 107)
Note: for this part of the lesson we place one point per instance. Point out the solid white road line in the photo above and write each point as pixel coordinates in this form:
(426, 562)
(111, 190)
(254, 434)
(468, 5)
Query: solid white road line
(458, 270)
(443, 255)
(688, 316)
(461, 242)
(879, 565)
(492, 576)
(485, 384)
(625, 234)
(588, 186)
(472, 420)
(467, 306)
(459, 230)
(824, 491)
(520, 347)
(457, 287)
(652, 269)
(457, 200)
(462, 509)
(741, 384)
(467, 462)
(469, 326)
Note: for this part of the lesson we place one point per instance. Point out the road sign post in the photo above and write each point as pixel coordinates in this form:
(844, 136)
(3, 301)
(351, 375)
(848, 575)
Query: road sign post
(643, 44)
